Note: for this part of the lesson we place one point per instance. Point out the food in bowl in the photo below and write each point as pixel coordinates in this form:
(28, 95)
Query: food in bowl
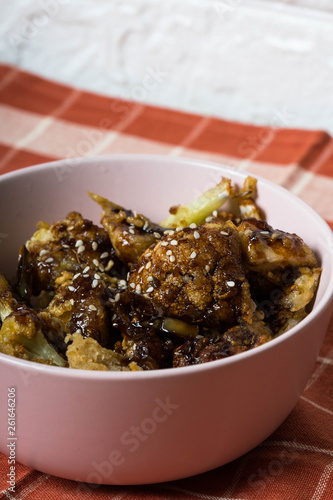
(134, 295)
(84, 425)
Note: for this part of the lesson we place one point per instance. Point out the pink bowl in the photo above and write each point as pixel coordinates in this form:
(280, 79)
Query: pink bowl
(146, 427)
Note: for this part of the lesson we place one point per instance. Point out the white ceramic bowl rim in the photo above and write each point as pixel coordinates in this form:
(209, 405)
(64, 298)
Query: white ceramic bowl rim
(186, 370)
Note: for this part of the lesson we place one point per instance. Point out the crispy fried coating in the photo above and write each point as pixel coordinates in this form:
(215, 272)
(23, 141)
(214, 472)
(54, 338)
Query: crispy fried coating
(69, 245)
(84, 304)
(32, 336)
(267, 249)
(130, 233)
(237, 339)
(87, 354)
(282, 270)
(7, 302)
(196, 274)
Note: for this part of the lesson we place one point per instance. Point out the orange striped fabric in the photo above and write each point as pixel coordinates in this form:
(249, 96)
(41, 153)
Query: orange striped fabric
(43, 120)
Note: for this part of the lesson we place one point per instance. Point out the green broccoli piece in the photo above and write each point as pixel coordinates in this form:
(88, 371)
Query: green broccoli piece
(197, 211)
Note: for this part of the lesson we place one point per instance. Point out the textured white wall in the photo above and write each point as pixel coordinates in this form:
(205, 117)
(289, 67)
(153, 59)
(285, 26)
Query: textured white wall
(238, 59)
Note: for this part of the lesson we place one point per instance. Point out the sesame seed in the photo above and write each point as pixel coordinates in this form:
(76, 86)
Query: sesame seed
(178, 229)
(224, 233)
(207, 268)
(95, 262)
(150, 289)
(49, 260)
(111, 300)
(132, 285)
(145, 225)
(94, 284)
(117, 297)
(71, 288)
(157, 235)
(199, 337)
(125, 232)
(264, 232)
(70, 228)
(128, 275)
(86, 269)
(150, 278)
(141, 269)
(174, 242)
(169, 231)
(172, 258)
(135, 214)
(78, 331)
(148, 265)
(193, 225)
(169, 252)
(65, 246)
(122, 283)
(148, 254)
(114, 317)
(231, 283)
(92, 307)
(164, 243)
(138, 288)
(131, 231)
(104, 255)
(109, 265)
(42, 252)
(79, 243)
(76, 276)
(97, 276)
(193, 255)
(71, 301)
(81, 249)
(94, 245)
(101, 268)
(215, 213)
(196, 235)
(209, 218)
(85, 275)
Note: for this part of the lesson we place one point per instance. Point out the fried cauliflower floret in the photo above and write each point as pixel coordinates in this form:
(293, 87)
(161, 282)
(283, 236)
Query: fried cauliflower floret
(267, 249)
(245, 198)
(87, 354)
(7, 302)
(130, 233)
(237, 339)
(282, 270)
(83, 304)
(69, 245)
(31, 336)
(196, 274)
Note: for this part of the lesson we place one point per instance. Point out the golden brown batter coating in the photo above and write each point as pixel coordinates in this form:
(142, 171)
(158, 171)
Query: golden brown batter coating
(84, 304)
(69, 245)
(267, 249)
(130, 233)
(196, 274)
(237, 339)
